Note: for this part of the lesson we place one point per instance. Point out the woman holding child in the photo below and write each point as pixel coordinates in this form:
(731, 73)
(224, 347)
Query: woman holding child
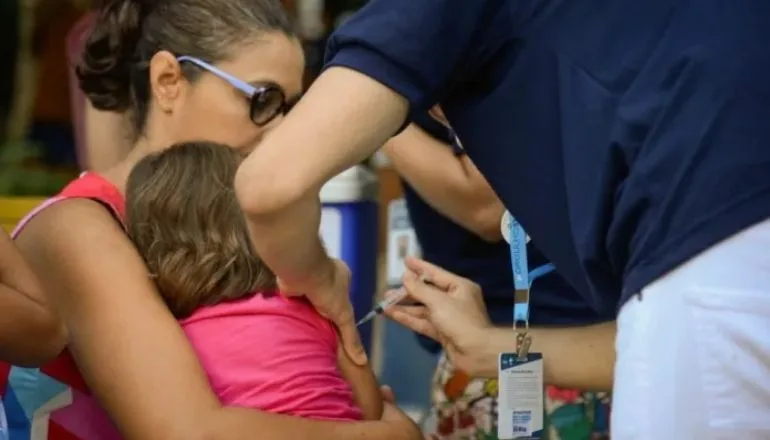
(231, 85)
(184, 70)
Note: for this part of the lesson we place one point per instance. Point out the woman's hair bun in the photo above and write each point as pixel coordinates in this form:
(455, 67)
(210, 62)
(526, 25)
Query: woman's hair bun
(104, 71)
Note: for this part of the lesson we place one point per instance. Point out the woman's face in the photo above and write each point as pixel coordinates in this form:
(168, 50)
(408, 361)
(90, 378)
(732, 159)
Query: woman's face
(212, 109)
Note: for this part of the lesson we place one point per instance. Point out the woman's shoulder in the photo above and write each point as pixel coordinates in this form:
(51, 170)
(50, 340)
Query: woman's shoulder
(82, 222)
(96, 187)
(86, 201)
(76, 240)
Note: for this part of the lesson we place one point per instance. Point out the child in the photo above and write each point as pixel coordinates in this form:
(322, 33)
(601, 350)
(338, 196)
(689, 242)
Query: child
(259, 349)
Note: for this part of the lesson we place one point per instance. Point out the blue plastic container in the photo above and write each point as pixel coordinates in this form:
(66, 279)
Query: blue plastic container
(349, 231)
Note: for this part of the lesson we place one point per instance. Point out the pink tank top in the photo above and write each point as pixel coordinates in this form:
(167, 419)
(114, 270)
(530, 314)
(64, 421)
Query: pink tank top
(273, 354)
(276, 354)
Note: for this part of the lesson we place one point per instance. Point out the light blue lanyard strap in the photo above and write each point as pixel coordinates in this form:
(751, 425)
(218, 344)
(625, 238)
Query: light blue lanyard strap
(540, 271)
(522, 277)
(519, 256)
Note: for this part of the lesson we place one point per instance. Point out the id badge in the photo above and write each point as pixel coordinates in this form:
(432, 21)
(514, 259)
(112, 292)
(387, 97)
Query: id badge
(521, 403)
(402, 241)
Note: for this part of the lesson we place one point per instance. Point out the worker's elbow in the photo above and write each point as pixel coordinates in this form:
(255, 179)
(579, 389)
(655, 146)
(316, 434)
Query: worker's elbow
(485, 223)
(488, 233)
(263, 194)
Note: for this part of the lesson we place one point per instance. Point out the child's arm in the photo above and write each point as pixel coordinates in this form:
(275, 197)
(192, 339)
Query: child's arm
(30, 332)
(366, 390)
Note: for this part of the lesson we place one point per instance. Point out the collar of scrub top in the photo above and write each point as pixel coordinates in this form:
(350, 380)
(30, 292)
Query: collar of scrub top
(522, 276)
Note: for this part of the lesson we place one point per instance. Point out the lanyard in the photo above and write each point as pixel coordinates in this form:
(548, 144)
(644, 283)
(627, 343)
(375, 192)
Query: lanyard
(522, 276)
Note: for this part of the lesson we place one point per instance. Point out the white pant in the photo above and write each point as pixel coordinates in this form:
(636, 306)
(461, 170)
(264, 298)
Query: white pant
(693, 352)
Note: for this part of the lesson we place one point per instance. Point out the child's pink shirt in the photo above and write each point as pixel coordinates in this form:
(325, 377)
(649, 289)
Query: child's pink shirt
(274, 354)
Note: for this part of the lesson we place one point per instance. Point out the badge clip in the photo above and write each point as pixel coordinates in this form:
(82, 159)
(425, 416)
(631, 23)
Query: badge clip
(523, 343)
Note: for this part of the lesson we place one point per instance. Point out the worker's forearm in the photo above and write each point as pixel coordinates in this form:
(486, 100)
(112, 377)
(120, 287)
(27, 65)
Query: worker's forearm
(442, 180)
(429, 167)
(344, 117)
(574, 357)
(578, 357)
(289, 241)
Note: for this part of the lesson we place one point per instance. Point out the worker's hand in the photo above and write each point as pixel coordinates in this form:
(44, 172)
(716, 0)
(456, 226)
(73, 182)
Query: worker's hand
(330, 296)
(452, 312)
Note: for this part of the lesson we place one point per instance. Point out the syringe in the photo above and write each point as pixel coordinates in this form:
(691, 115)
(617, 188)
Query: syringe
(393, 299)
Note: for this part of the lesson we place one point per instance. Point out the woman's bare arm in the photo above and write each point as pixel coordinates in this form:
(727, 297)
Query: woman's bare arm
(131, 351)
(30, 332)
(15, 273)
(451, 184)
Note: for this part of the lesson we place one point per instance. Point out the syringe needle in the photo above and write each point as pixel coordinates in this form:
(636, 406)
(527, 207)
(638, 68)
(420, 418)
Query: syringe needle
(369, 316)
(382, 305)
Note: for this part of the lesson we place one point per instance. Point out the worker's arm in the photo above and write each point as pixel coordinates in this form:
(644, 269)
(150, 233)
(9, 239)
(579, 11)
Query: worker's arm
(448, 181)
(453, 313)
(580, 357)
(347, 114)
(377, 68)
(278, 184)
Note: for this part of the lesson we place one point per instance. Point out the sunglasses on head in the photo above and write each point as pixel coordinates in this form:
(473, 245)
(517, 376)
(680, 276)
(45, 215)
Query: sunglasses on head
(266, 102)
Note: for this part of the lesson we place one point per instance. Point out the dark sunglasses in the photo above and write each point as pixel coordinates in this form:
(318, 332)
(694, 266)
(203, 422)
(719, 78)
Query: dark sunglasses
(266, 102)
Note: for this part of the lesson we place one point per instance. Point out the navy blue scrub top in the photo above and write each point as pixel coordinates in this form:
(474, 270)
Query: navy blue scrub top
(449, 245)
(626, 136)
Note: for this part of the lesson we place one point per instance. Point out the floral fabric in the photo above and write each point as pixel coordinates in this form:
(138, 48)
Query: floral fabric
(465, 408)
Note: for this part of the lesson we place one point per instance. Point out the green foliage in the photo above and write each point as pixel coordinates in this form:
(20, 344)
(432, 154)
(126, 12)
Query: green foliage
(19, 178)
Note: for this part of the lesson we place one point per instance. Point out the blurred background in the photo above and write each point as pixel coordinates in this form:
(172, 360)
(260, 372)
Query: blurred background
(40, 125)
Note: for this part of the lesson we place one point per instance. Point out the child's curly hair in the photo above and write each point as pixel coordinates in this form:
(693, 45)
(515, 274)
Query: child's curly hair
(185, 221)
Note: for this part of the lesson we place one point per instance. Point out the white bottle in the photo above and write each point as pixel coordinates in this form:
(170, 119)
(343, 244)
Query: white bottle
(310, 17)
